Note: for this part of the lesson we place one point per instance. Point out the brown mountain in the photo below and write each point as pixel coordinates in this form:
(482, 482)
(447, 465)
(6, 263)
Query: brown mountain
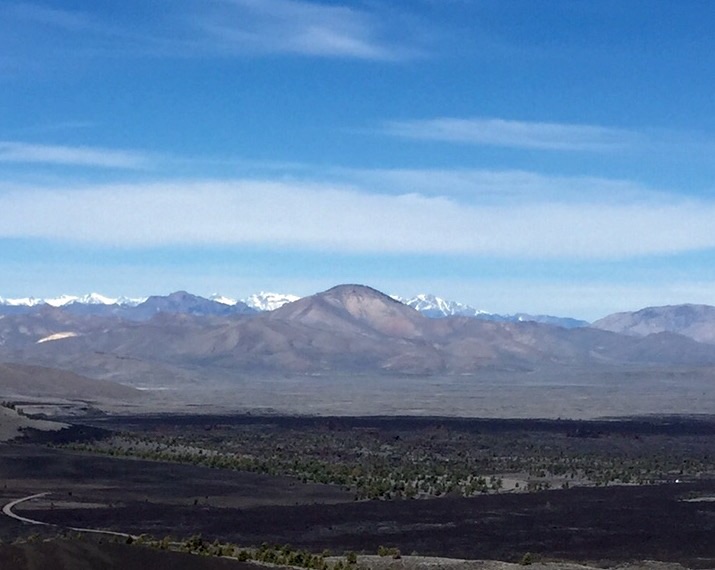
(694, 321)
(349, 329)
(20, 330)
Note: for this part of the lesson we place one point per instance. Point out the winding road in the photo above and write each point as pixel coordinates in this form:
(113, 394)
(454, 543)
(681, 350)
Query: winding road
(8, 511)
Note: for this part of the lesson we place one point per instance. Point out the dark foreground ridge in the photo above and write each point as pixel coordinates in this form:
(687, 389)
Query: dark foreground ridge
(649, 425)
(104, 555)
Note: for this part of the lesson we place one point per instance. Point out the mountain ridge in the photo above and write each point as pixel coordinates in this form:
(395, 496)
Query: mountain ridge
(694, 321)
(346, 330)
(691, 320)
(94, 303)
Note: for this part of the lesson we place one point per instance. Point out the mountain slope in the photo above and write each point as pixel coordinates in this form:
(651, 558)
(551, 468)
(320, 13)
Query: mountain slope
(353, 307)
(346, 330)
(12, 424)
(694, 321)
(184, 303)
(38, 381)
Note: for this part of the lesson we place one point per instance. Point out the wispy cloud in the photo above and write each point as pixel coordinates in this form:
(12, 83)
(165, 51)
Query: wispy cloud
(298, 27)
(344, 219)
(194, 28)
(498, 186)
(516, 134)
(20, 152)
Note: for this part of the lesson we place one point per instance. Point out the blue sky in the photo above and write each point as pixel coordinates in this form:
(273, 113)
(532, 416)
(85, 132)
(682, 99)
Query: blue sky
(517, 156)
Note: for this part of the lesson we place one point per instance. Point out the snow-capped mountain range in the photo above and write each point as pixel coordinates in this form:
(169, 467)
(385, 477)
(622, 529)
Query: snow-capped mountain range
(436, 307)
(263, 301)
(63, 300)
(179, 302)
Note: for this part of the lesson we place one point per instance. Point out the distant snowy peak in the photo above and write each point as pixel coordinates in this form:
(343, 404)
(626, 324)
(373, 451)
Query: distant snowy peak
(223, 299)
(130, 301)
(61, 301)
(21, 302)
(95, 299)
(265, 301)
(182, 302)
(262, 301)
(436, 307)
(64, 300)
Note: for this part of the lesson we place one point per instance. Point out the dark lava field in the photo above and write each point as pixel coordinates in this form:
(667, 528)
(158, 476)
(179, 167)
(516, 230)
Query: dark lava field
(670, 521)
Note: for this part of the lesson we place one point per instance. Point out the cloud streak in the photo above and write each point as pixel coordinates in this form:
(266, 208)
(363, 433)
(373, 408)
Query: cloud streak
(19, 152)
(297, 27)
(221, 28)
(499, 186)
(345, 219)
(514, 134)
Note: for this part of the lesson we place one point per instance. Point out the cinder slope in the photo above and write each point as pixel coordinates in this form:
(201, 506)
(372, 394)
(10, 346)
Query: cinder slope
(12, 424)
